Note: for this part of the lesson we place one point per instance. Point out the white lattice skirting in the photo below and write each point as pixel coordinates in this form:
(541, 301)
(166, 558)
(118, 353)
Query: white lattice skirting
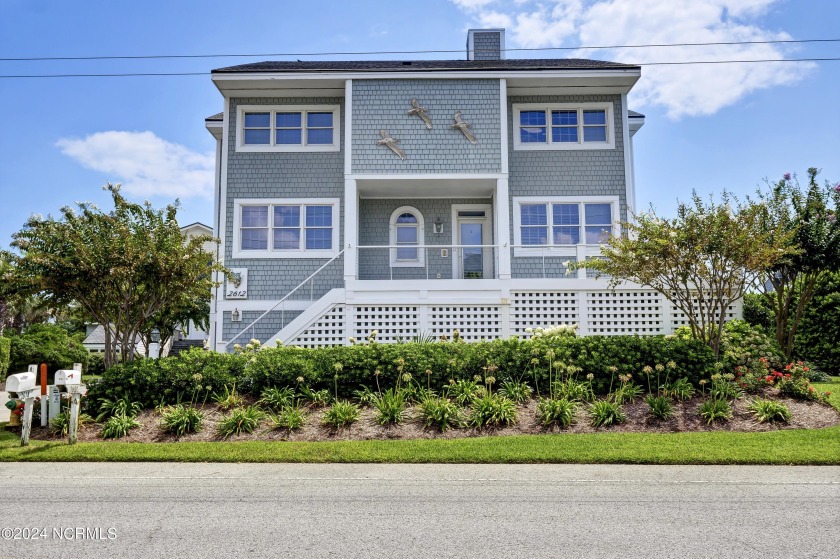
(602, 312)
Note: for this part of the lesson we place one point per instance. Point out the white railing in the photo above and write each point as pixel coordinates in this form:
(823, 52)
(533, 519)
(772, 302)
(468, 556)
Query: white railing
(282, 302)
(402, 262)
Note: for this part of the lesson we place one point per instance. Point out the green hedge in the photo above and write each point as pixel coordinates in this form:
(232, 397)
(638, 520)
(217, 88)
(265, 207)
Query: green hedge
(151, 382)
(5, 346)
(46, 343)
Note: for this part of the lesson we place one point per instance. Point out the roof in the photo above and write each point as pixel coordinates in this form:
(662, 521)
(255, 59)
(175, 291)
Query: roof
(216, 117)
(96, 337)
(196, 223)
(634, 114)
(425, 65)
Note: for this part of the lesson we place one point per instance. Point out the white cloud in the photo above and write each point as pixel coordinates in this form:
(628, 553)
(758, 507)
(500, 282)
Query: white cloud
(145, 164)
(683, 90)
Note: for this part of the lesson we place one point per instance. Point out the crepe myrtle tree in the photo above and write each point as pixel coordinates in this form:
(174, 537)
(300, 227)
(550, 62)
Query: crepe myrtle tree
(808, 218)
(703, 260)
(122, 267)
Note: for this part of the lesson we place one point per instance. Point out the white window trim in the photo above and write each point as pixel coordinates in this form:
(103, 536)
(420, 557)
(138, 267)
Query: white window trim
(238, 203)
(421, 239)
(272, 109)
(549, 145)
(560, 250)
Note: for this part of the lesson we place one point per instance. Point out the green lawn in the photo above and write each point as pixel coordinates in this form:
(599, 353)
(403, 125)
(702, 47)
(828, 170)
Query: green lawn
(834, 388)
(818, 446)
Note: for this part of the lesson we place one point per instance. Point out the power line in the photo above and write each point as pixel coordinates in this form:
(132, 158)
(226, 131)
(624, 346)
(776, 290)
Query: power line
(144, 74)
(354, 53)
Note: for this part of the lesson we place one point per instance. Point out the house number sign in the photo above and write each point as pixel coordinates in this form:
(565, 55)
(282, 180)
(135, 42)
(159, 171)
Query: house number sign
(237, 286)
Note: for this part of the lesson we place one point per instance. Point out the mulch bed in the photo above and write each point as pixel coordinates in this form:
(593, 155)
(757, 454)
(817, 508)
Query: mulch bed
(805, 415)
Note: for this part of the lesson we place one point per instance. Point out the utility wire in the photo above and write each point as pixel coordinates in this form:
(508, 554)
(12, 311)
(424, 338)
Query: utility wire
(348, 53)
(141, 74)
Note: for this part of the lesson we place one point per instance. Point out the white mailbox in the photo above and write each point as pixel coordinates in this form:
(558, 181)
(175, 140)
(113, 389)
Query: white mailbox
(65, 377)
(20, 382)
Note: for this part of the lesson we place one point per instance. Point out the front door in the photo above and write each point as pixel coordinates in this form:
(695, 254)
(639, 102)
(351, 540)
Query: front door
(473, 258)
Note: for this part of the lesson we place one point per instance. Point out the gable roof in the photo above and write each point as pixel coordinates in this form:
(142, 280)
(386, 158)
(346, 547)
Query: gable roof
(424, 65)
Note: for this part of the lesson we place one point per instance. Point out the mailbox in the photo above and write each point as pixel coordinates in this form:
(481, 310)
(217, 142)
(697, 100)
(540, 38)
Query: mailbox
(20, 382)
(65, 377)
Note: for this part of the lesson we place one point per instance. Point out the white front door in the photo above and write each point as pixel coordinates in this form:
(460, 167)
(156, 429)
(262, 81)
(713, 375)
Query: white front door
(473, 259)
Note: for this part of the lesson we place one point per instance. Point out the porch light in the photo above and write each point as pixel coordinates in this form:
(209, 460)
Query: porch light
(438, 225)
(155, 336)
(235, 316)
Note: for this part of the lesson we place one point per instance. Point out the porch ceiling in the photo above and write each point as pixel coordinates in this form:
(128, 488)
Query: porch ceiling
(426, 188)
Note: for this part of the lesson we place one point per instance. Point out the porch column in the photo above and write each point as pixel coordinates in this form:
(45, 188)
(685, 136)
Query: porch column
(501, 218)
(351, 228)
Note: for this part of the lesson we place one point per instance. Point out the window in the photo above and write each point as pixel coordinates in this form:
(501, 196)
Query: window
(563, 222)
(285, 228)
(563, 126)
(288, 128)
(406, 228)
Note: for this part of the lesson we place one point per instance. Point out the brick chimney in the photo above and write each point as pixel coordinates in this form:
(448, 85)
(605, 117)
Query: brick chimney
(486, 44)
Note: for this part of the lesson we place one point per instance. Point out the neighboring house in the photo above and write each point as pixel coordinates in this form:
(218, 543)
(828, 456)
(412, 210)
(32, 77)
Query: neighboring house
(342, 212)
(95, 340)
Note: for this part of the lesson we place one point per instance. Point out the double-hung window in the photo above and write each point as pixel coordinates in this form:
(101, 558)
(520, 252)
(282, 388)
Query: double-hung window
(562, 222)
(563, 126)
(285, 228)
(288, 128)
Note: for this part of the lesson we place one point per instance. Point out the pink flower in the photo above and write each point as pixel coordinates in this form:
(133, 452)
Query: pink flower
(837, 187)
(786, 176)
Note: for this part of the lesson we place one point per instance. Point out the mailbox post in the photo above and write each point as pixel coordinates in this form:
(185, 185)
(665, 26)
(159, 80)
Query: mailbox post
(72, 381)
(44, 402)
(23, 384)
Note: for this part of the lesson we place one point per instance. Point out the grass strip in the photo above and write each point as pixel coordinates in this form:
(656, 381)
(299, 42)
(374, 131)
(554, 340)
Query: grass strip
(812, 447)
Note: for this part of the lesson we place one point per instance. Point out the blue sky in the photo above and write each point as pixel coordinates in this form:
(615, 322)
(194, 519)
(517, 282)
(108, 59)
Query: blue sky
(709, 127)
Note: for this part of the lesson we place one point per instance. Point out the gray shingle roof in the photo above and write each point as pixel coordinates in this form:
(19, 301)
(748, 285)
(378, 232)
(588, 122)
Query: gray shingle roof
(634, 114)
(425, 65)
(218, 116)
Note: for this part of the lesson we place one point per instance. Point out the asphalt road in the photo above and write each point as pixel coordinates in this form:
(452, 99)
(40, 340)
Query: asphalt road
(283, 510)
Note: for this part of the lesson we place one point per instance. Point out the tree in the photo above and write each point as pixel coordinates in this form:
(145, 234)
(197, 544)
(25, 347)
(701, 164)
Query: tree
(122, 267)
(808, 219)
(702, 261)
(819, 330)
(167, 320)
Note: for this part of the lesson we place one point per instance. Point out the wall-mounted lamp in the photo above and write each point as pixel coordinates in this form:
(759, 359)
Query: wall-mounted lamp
(235, 316)
(438, 225)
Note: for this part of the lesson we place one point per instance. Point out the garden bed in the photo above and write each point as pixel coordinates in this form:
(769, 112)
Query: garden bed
(804, 415)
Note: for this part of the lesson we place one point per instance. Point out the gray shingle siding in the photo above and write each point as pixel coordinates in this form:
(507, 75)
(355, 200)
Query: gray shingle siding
(374, 229)
(565, 173)
(487, 46)
(283, 175)
(262, 330)
(379, 104)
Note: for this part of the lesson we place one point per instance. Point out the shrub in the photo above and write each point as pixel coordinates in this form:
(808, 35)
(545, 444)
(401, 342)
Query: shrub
(46, 343)
(228, 398)
(280, 366)
(180, 419)
(390, 407)
(290, 418)
(492, 410)
(556, 411)
(439, 412)
(517, 391)
(120, 406)
(660, 407)
(240, 420)
(275, 399)
(341, 414)
(769, 410)
(800, 388)
(5, 347)
(819, 330)
(96, 364)
(605, 413)
(681, 389)
(715, 409)
(742, 343)
(573, 390)
(118, 426)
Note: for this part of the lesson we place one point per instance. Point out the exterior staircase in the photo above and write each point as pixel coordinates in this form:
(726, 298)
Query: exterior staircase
(184, 345)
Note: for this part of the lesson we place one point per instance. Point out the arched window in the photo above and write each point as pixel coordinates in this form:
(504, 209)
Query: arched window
(406, 233)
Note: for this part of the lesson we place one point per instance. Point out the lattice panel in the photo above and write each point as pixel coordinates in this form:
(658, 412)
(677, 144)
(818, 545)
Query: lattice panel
(679, 318)
(392, 323)
(473, 323)
(541, 309)
(624, 312)
(327, 330)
